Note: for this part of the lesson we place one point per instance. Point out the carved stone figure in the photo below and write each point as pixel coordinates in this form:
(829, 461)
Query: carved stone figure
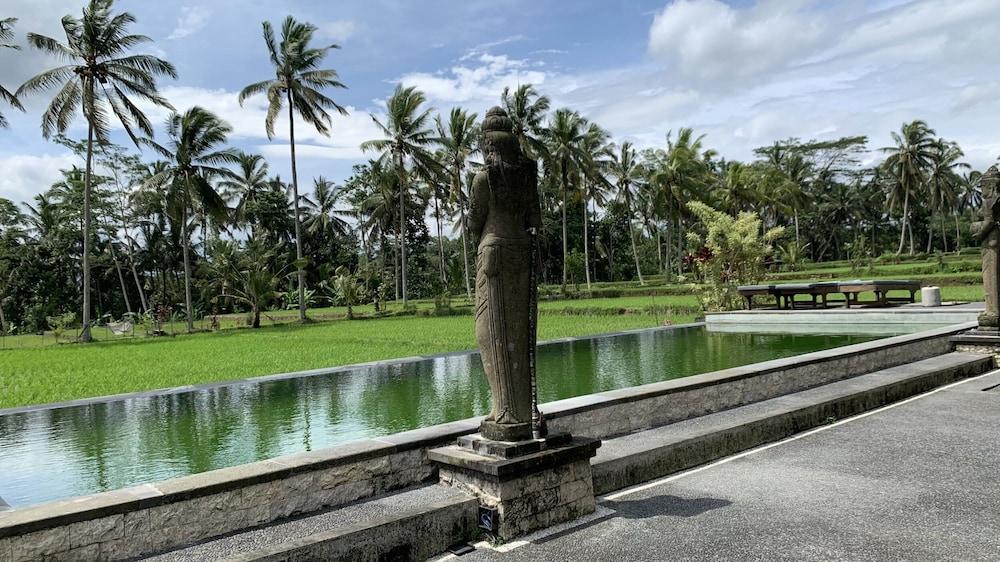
(504, 214)
(988, 234)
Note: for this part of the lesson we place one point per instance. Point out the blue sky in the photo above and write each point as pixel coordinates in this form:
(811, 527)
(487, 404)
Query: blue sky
(743, 73)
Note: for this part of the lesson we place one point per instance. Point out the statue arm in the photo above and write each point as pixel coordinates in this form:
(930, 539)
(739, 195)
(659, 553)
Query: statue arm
(478, 205)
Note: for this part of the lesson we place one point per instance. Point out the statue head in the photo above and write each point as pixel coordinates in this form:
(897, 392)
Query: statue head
(498, 142)
(989, 183)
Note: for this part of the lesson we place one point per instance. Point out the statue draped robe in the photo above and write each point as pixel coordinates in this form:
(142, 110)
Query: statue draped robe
(503, 209)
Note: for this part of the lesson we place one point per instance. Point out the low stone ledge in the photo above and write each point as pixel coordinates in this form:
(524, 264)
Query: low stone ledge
(416, 534)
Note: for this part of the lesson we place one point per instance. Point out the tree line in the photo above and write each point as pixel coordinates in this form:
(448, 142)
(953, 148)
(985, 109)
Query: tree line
(203, 228)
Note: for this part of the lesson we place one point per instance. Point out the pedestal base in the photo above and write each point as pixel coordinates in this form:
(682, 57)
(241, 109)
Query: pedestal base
(985, 340)
(532, 484)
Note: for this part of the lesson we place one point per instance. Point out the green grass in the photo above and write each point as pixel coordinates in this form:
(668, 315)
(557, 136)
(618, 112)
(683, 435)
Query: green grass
(55, 373)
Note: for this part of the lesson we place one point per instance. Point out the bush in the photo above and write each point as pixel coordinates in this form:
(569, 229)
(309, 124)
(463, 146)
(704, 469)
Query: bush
(737, 254)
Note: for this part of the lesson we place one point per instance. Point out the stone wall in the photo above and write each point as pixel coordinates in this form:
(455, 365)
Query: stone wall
(154, 517)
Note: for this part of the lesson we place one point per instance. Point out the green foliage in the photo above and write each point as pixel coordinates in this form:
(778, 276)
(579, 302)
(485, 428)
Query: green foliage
(738, 254)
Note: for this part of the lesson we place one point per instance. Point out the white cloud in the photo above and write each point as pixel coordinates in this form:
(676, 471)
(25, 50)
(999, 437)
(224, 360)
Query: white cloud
(247, 122)
(337, 31)
(191, 20)
(477, 85)
(25, 175)
(710, 41)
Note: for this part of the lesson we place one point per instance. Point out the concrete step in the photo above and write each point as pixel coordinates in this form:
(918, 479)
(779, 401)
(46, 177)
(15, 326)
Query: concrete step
(647, 455)
(410, 525)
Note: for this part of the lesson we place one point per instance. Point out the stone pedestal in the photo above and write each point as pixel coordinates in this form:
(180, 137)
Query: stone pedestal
(532, 484)
(980, 340)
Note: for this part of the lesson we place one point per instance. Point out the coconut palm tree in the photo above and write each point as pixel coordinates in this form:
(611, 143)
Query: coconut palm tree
(627, 171)
(908, 162)
(299, 84)
(944, 183)
(7, 34)
(324, 216)
(241, 186)
(408, 137)
(527, 109)
(564, 138)
(101, 76)
(194, 156)
(594, 185)
(459, 141)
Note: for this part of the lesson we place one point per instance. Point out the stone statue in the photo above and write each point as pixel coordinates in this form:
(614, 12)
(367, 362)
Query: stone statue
(987, 232)
(505, 215)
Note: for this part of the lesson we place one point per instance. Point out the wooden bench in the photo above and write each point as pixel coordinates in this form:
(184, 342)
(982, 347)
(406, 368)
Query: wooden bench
(851, 290)
(750, 291)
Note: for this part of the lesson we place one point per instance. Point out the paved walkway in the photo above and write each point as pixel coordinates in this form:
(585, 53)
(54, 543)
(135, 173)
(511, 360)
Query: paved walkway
(919, 480)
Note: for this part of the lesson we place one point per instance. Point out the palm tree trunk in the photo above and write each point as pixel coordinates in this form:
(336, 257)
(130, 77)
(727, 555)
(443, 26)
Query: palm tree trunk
(465, 251)
(909, 228)
(256, 316)
(402, 224)
(631, 237)
(668, 254)
(564, 244)
(958, 236)
(437, 218)
(797, 244)
(135, 274)
(586, 242)
(902, 226)
(85, 332)
(3, 319)
(121, 277)
(301, 274)
(185, 242)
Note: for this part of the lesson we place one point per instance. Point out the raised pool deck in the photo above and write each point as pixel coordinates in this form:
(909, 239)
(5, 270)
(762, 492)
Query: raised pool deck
(880, 321)
(914, 481)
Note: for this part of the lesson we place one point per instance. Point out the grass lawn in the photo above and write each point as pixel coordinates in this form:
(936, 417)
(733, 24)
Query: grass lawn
(55, 373)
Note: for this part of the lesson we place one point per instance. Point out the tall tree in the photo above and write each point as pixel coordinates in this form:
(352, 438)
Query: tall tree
(298, 82)
(564, 138)
(527, 110)
(241, 186)
(627, 172)
(7, 34)
(195, 156)
(594, 151)
(908, 162)
(944, 183)
(459, 140)
(324, 216)
(101, 75)
(408, 137)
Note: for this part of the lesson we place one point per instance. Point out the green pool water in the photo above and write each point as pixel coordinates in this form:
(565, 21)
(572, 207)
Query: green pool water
(57, 453)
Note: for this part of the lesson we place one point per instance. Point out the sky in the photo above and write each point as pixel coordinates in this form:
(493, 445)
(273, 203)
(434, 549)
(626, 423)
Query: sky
(744, 72)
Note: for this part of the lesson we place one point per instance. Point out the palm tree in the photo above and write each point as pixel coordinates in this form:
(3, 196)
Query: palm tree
(944, 183)
(627, 172)
(242, 185)
(564, 138)
(194, 158)
(101, 76)
(908, 163)
(527, 109)
(407, 137)
(7, 34)
(459, 140)
(970, 196)
(297, 82)
(324, 217)
(594, 184)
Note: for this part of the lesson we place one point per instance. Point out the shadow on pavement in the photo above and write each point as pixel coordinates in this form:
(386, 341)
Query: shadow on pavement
(665, 506)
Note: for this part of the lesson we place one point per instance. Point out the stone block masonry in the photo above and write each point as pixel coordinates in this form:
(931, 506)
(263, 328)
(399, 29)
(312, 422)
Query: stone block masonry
(529, 492)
